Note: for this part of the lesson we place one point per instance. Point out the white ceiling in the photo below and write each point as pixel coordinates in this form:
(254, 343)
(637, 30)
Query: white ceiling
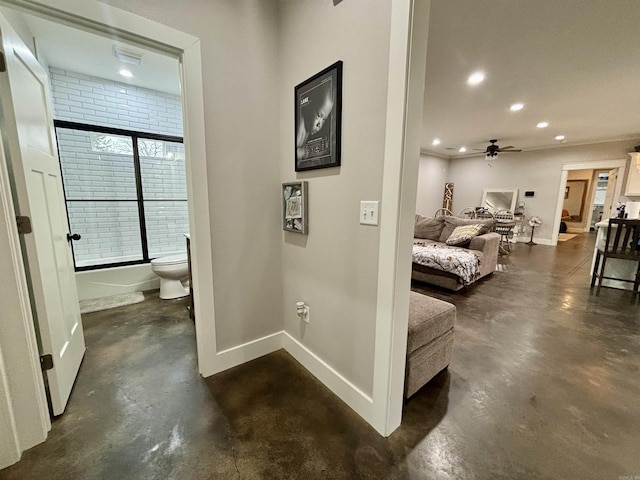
(83, 52)
(573, 63)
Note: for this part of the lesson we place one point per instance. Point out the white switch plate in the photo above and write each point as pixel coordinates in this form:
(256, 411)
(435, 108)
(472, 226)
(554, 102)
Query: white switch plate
(369, 213)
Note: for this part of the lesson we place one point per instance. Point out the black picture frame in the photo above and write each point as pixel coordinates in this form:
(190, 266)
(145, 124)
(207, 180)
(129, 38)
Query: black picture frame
(318, 120)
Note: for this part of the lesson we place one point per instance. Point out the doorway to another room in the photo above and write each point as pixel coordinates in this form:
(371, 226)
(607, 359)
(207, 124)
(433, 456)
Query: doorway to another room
(586, 196)
(114, 114)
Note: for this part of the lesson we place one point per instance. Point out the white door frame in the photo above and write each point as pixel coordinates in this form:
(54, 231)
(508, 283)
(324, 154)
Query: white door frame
(621, 165)
(113, 22)
(407, 64)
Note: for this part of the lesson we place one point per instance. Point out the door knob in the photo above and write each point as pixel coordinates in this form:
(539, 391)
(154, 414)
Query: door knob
(75, 236)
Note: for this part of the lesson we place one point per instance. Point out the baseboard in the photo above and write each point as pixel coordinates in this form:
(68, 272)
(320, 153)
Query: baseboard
(359, 401)
(537, 241)
(246, 352)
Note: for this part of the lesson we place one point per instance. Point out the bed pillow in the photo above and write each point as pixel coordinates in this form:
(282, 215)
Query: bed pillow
(428, 227)
(463, 234)
(450, 223)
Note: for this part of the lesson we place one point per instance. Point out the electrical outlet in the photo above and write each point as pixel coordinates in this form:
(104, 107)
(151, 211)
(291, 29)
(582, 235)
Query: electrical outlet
(369, 212)
(302, 309)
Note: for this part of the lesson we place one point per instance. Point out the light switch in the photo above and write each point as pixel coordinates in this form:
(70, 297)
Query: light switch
(369, 213)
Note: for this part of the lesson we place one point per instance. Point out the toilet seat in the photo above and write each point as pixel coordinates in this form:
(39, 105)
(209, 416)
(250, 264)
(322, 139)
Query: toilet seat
(170, 260)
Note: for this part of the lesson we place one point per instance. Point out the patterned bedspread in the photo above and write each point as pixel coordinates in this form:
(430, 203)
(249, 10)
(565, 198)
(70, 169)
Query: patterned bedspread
(459, 261)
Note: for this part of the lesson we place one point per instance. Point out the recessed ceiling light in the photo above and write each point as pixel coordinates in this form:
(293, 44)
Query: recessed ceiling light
(542, 124)
(559, 137)
(436, 141)
(475, 78)
(126, 73)
(516, 107)
(462, 149)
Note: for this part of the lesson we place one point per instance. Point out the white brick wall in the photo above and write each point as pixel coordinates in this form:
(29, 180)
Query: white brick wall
(110, 230)
(167, 222)
(96, 101)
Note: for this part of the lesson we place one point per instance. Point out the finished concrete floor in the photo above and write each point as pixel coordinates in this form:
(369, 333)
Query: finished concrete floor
(544, 383)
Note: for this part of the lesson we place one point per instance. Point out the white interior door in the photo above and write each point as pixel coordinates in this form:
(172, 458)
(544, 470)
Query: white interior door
(30, 147)
(607, 210)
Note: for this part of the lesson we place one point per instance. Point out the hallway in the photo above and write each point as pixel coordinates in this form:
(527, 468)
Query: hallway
(543, 384)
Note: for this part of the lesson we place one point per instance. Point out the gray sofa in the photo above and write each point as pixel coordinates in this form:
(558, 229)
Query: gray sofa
(436, 231)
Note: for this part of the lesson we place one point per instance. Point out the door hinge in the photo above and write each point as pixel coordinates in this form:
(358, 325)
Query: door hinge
(46, 362)
(3, 64)
(24, 225)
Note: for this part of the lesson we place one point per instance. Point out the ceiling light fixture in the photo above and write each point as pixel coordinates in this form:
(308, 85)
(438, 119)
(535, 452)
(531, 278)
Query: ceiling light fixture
(475, 78)
(436, 141)
(516, 107)
(542, 124)
(462, 149)
(559, 137)
(126, 73)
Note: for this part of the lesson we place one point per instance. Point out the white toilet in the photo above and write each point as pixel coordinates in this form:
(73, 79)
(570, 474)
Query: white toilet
(173, 271)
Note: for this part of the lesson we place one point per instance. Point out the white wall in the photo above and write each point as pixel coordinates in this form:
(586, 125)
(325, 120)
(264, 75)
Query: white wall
(240, 70)
(433, 173)
(538, 170)
(97, 101)
(334, 268)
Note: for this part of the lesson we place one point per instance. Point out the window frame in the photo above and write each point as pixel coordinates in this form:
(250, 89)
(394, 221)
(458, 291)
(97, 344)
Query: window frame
(134, 135)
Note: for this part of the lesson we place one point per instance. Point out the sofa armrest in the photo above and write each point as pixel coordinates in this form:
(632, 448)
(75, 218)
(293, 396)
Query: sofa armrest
(485, 243)
(488, 244)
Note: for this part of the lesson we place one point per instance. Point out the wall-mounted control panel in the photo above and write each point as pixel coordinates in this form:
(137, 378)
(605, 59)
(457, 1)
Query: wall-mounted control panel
(369, 213)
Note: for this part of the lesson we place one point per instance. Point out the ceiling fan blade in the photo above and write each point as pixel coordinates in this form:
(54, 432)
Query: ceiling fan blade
(508, 146)
(502, 150)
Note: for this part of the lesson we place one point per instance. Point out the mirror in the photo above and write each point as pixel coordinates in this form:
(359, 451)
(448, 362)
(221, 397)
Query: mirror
(575, 194)
(495, 199)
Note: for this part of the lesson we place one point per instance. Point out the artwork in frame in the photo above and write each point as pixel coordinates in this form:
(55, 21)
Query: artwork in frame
(318, 119)
(294, 207)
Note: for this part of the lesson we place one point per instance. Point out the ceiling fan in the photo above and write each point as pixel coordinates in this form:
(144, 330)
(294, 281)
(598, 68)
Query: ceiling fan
(493, 149)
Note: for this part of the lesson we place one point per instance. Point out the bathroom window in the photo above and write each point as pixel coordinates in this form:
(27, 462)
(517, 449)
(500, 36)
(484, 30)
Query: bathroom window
(126, 194)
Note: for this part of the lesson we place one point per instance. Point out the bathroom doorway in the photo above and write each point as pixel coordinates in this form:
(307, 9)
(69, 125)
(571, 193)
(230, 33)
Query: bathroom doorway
(118, 121)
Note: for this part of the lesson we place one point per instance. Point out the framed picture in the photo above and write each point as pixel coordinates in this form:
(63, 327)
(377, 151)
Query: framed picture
(294, 207)
(318, 119)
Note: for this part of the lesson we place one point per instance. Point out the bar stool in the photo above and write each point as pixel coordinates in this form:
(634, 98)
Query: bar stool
(623, 243)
